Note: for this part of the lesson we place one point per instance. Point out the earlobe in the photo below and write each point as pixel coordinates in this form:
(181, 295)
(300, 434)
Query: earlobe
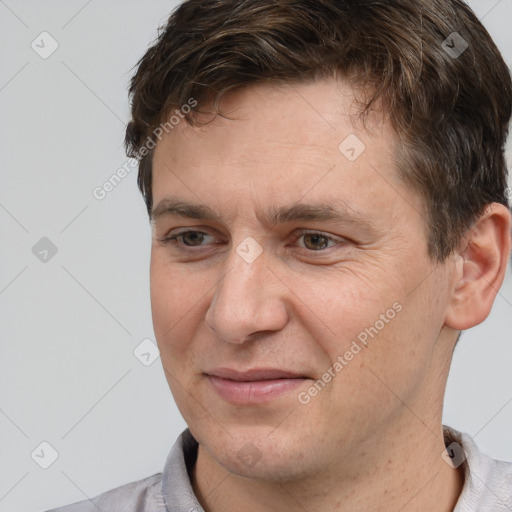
(480, 269)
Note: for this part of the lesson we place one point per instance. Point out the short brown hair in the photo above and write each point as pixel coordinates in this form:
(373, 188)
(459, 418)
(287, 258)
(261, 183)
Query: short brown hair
(450, 112)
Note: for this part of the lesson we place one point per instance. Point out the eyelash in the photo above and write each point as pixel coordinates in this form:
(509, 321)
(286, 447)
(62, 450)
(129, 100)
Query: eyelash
(173, 240)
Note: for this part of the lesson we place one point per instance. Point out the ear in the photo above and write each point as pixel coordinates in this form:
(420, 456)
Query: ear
(479, 268)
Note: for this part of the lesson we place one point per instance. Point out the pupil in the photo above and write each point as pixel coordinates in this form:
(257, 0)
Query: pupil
(193, 238)
(315, 240)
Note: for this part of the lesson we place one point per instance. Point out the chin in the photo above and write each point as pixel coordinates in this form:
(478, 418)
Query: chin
(270, 467)
(256, 454)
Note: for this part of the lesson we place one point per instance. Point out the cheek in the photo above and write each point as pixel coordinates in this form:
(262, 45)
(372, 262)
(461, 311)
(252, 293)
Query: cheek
(366, 324)
(339, 305)
(388, 360)
(175, 305)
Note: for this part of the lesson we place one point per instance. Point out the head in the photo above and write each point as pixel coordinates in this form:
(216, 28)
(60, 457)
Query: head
(327, 188)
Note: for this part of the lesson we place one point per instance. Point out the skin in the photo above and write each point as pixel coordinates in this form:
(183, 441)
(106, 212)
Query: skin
(303, 301)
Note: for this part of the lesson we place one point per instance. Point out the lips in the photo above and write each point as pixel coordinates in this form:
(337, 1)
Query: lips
(254, 374)
(253, 386)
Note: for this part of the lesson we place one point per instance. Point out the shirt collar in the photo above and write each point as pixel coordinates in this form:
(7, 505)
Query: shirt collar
(482, 475)
(176, 485)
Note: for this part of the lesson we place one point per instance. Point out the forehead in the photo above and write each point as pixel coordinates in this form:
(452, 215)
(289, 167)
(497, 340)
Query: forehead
(295, 140)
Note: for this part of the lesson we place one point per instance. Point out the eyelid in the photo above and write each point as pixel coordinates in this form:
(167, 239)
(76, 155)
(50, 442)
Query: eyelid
(172, 236)
(205, 230)
(329, 236)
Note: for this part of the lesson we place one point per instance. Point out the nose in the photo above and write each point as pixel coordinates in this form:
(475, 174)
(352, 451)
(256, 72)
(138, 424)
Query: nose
(248, 300)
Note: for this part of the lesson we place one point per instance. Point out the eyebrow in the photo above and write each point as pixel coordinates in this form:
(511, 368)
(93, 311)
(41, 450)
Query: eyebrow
(341, 212)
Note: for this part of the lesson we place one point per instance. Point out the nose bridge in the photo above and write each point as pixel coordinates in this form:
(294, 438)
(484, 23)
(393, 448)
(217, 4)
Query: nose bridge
(243, 302)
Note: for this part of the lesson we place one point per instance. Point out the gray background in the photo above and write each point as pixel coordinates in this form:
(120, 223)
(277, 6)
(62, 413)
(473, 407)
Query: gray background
(69, 325)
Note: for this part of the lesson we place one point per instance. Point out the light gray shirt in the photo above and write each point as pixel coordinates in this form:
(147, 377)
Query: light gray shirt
(487, 484)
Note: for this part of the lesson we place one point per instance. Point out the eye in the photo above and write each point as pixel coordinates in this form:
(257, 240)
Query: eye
(188, 238)
(313, 241)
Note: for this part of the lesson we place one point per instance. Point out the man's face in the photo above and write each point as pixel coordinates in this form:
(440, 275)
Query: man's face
(295, 254)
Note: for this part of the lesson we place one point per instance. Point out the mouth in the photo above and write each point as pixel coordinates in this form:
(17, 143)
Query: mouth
(253, 386)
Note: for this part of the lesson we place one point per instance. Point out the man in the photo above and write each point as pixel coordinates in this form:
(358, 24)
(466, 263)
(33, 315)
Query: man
(327, 191)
